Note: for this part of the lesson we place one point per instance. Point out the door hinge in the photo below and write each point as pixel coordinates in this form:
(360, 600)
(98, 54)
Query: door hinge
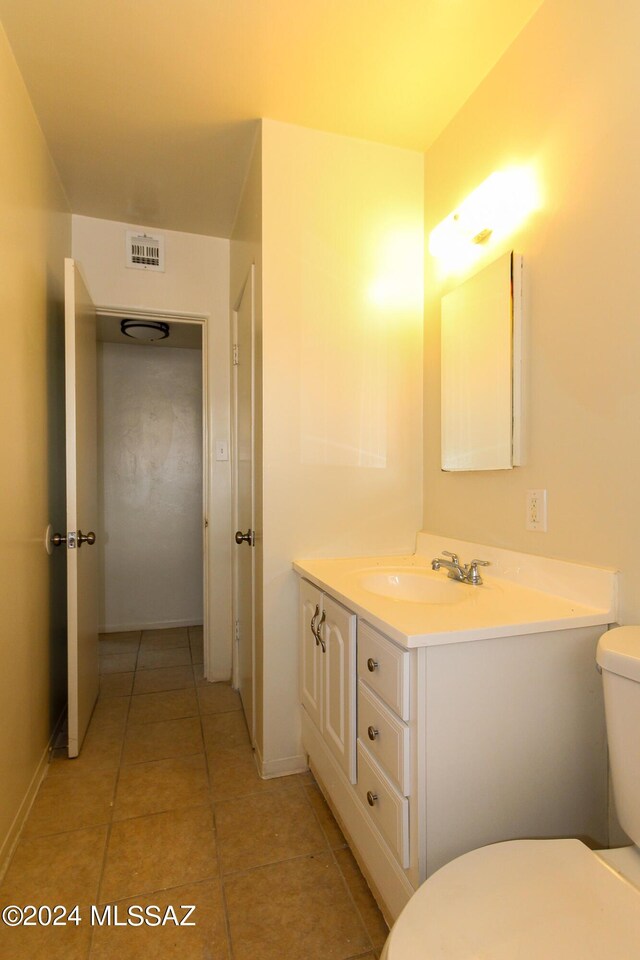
(236, 360)
(237, 630)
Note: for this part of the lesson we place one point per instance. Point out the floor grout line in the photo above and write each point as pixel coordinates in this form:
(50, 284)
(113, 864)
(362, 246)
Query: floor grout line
(183, 755)
(314, 855)
(339, 869)
(223, 897)
(113, 805)
(157, 813)
(353, 900)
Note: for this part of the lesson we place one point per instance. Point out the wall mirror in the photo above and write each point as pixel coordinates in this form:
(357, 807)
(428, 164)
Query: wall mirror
(481, 350)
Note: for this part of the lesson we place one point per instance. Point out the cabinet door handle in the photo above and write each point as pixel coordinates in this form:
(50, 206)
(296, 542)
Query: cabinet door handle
(372, 664)
(313, 623)
(372, 733)
(371, 798)
(318, 629)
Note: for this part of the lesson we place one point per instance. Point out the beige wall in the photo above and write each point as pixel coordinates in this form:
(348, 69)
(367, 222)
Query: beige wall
(342, 235)
(565, 98)
(196, 281)
(34, 239)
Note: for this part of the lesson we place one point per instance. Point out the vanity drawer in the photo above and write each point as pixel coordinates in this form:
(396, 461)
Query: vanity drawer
(385, 668)
(386, 737)
(388, 809)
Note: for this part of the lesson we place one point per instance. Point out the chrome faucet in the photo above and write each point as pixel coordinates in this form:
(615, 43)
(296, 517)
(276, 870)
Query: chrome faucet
(453, 566)
(464, 574)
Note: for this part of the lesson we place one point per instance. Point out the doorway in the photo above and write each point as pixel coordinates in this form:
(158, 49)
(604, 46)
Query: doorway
(152, 457)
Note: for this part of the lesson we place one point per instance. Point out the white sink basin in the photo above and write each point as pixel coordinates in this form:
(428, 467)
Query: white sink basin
(414, 585)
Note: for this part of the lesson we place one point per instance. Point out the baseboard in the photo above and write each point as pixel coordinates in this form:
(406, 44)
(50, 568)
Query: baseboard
(283, 767)
(219, 676)
(156, 625)
(8, 844)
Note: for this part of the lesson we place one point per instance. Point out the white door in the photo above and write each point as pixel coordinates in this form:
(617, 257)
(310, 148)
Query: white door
(244, 564)
(82, 505)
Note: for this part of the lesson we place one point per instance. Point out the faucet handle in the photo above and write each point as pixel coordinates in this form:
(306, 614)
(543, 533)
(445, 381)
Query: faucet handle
(454, 556)
(472, 571)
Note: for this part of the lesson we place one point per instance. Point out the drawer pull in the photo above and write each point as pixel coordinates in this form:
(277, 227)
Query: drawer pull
(372, 664)
(371, 798)
(372, 733)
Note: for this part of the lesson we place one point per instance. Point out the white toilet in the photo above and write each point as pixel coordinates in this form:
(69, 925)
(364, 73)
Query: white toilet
(545, 899)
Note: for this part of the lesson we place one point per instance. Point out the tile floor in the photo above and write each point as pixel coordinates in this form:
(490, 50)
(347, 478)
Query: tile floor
(164, 807)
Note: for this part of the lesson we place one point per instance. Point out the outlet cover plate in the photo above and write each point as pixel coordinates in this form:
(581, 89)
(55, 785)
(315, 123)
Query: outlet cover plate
(536, 516)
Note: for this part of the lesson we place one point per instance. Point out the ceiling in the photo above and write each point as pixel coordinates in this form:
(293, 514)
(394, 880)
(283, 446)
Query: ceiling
(149, 107)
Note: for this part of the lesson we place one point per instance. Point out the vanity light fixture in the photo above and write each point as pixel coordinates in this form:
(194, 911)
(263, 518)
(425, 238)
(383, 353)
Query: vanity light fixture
(146, 330)
(494, 209)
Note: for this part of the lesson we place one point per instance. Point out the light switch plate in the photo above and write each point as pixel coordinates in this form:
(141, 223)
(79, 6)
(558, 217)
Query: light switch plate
(222, 450)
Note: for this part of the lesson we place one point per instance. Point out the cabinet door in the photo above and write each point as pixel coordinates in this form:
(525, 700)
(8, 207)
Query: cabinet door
(339, 730)
(311, 664)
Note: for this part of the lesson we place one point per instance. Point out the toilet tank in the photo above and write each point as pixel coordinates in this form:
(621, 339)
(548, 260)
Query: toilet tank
(618, 655)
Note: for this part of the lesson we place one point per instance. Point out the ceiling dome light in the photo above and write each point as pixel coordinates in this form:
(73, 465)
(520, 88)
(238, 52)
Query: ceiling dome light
(146, 330)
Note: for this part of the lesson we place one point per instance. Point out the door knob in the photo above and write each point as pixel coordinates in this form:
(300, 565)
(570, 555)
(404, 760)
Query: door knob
(59, 538)
(372, 733)
(248, 537)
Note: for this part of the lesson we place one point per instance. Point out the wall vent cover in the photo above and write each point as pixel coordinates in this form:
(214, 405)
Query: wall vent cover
(144, 252)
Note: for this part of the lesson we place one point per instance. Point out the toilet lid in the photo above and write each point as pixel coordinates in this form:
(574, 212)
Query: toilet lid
(521, 900)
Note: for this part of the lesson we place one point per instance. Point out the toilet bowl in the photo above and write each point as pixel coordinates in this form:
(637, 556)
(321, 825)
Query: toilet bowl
(545, 899)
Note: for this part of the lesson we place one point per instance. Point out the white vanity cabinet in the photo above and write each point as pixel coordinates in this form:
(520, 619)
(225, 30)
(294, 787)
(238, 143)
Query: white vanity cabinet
(436, 727)
(328, 673)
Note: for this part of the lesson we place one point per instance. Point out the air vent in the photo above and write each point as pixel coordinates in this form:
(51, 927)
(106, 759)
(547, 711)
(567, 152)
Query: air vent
(144, 252)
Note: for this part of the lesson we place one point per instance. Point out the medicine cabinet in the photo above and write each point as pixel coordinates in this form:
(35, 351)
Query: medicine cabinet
(481, 360)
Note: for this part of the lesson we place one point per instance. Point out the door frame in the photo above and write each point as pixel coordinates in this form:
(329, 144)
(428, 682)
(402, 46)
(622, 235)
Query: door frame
(202, 320)
(248, 280)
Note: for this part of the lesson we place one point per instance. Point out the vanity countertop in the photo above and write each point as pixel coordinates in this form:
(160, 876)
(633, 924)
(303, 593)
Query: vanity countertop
(520, 594)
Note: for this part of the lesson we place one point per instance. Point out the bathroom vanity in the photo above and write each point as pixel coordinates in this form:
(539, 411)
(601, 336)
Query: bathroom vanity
(441, 716)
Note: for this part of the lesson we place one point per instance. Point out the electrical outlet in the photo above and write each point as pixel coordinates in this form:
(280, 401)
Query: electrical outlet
(536, 518)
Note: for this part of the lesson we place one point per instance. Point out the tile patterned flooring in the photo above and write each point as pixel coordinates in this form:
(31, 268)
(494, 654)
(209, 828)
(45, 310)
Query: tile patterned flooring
(165, 807)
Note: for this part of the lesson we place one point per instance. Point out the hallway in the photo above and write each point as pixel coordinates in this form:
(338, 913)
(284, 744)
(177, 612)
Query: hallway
(164, 807)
